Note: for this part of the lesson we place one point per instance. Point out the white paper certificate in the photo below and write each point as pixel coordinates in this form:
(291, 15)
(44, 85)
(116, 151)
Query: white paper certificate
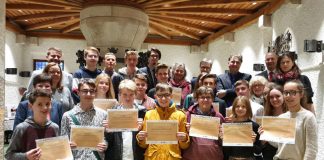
(55, 148)
(122, 120)
(204, 126)
(281, 130)
(237, 134)
(216, 106)
(105, 104)
(161, 131)
(176, 95)
(87, 137)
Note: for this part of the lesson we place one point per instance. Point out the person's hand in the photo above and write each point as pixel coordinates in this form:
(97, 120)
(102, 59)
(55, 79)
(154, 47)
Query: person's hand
(182, 136)
(101, 147)
(140, 124)
(260, 130)
(141, 135)
(188, 126)
(105, 123)
(34, 154)
(221, 93)
(73, 145)
(228, 119)
(253, 137)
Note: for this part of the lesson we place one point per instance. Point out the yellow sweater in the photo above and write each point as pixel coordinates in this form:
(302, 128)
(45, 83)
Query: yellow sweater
(165, 151)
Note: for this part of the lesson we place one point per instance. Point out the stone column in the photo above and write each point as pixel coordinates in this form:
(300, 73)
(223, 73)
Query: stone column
(2, 64)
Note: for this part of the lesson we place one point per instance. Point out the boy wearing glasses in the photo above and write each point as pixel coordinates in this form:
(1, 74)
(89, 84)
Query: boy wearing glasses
(85, 114)
(165, 110)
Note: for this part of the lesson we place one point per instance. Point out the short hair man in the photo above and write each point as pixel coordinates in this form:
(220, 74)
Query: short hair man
(131, 60)
(205, 67)
(41, 82)
(110, 64)
(154, 55)
(271, 59)
(162, 76)
(141, 97)
(226, 81)
(53, 55)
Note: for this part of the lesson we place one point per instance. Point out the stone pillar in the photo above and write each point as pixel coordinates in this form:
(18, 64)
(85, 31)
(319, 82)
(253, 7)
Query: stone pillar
(2, 65)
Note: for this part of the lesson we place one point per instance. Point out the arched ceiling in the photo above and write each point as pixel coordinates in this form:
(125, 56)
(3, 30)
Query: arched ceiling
(183, 22)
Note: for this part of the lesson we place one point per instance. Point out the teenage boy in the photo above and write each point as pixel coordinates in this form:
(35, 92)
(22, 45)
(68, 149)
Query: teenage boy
(141, 97)
(23, 145)
(41, 81)
(123, 145)
(162, 76)
(131, 60)
(165, 110)
(110, 64)
(85, 114)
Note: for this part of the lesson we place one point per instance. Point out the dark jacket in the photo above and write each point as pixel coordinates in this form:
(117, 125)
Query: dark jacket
(225, 82)
(115, 142)
(151, 79)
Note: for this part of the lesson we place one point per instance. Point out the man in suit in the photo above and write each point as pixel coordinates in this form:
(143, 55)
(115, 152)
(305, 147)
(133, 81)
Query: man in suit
(205, 67)
(271, 62)
(226, 81)
(153, 58)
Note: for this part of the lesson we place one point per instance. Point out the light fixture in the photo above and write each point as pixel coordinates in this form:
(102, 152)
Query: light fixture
(26, 20)
(20, 10)
(202, 22)
(49, 27)
(229, 15)
(201, 32)
(254, 3)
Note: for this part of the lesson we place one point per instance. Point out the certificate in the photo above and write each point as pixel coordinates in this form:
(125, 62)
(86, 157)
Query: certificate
(161, 131)
(122, 120)
(258, 120)
(176, 95)
(216, 107)
(229, 112)
(55, 148)
(204, 126)
(237, 134)
(281, 130)
(87, 137)
(105, 104)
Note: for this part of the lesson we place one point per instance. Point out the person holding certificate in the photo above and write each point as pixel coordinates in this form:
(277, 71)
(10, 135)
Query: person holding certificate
(104, 87)
(23, 145)
(202, 148)
(165, 110)
(242, 113)
(123, 145)
(305, 147)
(85, 114)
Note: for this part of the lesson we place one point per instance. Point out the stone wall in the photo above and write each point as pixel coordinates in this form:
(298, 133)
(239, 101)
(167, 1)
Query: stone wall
(2, 82)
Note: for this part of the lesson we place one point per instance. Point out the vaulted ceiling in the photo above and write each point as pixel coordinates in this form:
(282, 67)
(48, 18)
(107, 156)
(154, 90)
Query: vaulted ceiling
(183, 22)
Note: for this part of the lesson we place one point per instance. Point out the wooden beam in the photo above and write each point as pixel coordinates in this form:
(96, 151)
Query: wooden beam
(71, 27)
(165, 2)
(183, 24)
(46, 15)
(171, 41)
(49, 23)
(210, 11)
(55, 35)
(181, 31)
(68, 2)
(50, 3)
(150, 2)
(14, 27)
(205, 3)
(39, 8)
(268, 9)
(195, 18)
(159, 31)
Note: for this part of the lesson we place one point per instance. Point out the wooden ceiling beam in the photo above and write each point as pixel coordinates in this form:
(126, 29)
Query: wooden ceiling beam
(181, 31)
(267, 9)
(71, 27)
(209, 11)
(45, 15)
(50, 3)
(165, 2)
(183, 24)
(14, 27)
(159, 31)
(205, 3)
(49, 23)
(39, 8)
(161, 40)
(68, 3)
(55, 35)
(150, 2)
(195, 18)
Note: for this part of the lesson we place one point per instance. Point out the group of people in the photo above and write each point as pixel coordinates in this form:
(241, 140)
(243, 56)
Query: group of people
(55, 100)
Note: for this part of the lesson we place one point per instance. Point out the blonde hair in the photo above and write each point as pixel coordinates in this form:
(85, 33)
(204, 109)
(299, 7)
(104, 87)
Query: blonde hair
(127, 84)
(128, 53)
(257, 80)
(111, 93)
(88, 49)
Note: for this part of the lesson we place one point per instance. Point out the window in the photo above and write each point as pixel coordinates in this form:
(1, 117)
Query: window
(41, 64)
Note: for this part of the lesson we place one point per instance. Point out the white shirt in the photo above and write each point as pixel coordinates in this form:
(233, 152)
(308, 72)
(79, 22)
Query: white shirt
(127, 146)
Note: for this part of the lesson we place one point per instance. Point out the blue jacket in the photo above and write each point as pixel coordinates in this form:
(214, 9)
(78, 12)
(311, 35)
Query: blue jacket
(23, 112)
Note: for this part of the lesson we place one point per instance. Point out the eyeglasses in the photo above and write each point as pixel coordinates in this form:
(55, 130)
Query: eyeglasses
(291, 93)
(163, 95)
(86, 91)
